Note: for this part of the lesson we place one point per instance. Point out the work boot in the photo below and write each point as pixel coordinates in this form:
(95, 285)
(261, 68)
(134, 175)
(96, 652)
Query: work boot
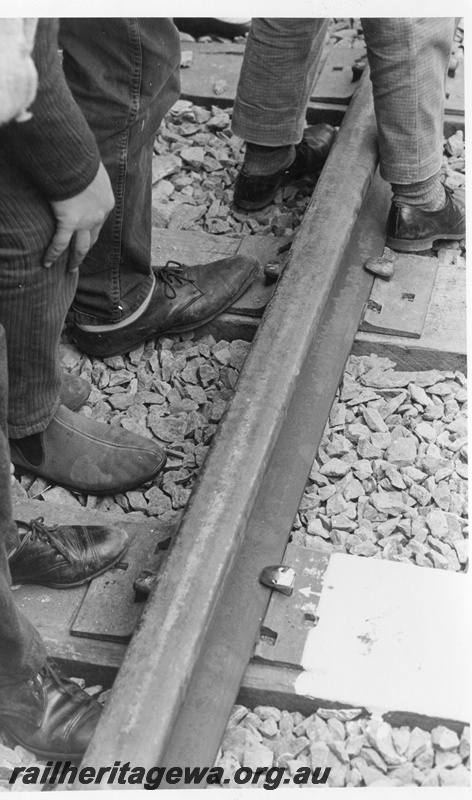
(184, 298)
(74, 391)
(411, 229)
(253, 192)
(65, 555)
(88, 456)
(49, 715)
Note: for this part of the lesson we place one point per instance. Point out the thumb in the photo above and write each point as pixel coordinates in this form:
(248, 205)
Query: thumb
(59, 242)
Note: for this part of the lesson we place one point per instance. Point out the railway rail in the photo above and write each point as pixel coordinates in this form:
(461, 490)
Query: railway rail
(183, 668)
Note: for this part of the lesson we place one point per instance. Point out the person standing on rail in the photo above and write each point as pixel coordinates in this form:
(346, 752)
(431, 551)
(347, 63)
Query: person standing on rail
(41, 709)
(408, 59)
(124, 75)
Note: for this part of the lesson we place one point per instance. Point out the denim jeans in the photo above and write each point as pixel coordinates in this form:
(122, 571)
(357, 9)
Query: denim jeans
(22, 652)
(408, 59)
(124, 74)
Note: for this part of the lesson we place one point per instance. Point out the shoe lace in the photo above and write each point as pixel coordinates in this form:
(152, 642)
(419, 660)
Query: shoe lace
(172, 275)
(69, 687)
(41, 533)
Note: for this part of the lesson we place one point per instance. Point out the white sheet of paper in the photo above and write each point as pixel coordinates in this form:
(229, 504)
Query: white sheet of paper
(391, 636)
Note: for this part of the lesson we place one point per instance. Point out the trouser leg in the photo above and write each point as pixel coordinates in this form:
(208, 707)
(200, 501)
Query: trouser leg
(22, 652)
(277, 75)
(408, 59)
(33, 303)
(124, 74)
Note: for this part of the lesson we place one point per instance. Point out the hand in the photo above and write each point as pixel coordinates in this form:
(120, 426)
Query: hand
(18, 76)
(79, 220)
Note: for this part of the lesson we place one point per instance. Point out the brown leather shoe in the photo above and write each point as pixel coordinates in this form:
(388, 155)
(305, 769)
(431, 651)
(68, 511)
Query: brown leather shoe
(410, 229)
(253, 192)
(49, 714)
(184, 298)
(74, 391)
(65, 555)
(88, 456)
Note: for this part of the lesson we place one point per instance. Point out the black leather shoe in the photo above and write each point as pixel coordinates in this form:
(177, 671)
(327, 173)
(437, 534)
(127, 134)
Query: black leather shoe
(184, 298)
(49, 715)
(65, 555)
(253, 192)
(74, 391)
(88, 456)
(410, 229)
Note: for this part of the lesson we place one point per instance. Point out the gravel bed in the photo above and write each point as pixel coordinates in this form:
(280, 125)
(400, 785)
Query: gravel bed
(359, 750)
(174, 390)
(195, 165)
(390, 477)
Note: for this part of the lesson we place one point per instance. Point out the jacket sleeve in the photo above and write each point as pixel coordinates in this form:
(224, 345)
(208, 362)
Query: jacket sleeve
(56, 147)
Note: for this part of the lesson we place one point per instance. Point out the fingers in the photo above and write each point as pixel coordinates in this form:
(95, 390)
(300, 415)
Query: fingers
(94, 234)
(82, 242)
(80, 245)
(59, 243)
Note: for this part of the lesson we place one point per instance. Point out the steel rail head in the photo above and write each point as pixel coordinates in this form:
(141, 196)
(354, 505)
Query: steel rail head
(151, 685)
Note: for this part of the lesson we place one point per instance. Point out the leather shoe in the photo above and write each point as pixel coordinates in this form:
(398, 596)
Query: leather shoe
(184, 298)
(88, 456)
(410, 229)
(65, 555)
(49, 714)
(74, 391)
(253, 192)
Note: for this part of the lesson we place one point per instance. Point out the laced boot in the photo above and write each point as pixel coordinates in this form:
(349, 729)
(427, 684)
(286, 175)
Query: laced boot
(65, 555)
(183, 298)
(49, 714)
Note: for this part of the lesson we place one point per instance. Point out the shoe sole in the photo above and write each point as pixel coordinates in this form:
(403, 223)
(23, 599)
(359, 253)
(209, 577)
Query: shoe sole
(76, 583)
(99, 492)
(413, 246)
(178, 329)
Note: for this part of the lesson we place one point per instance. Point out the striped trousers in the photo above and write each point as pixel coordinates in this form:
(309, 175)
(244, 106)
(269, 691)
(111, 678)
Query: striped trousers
(33, 302)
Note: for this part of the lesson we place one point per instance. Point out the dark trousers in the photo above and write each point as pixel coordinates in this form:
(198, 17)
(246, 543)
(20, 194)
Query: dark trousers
(33, 302)
(22, 652)
(124, 74)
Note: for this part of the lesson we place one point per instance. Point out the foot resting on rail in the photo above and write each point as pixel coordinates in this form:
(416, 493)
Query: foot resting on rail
(182, 299)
